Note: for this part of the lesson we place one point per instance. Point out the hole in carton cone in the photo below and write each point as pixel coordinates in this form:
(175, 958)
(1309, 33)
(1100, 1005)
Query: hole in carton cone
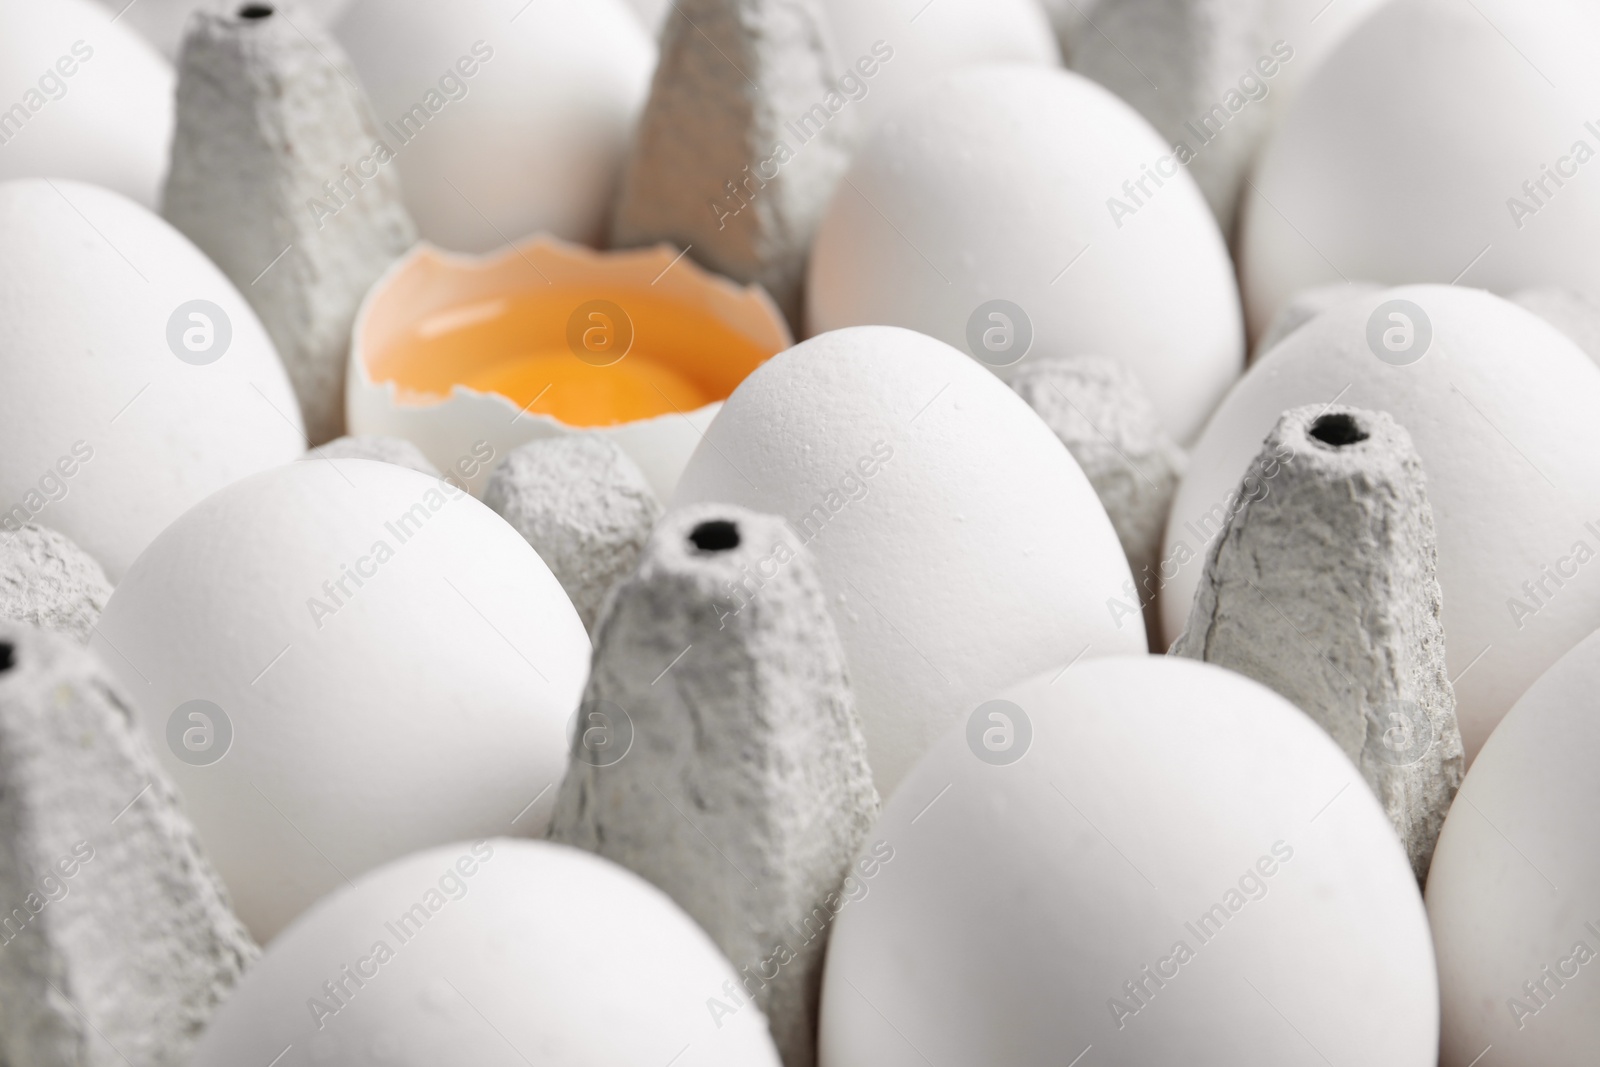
(1338, 430)
(718, 535)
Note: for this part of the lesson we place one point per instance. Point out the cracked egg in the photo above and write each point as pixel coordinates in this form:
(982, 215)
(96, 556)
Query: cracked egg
(545, 338)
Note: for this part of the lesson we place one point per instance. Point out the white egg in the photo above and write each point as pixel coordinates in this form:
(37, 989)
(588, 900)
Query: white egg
(923, 42)
(504, 117)
(960, 546)
(384, 664)
(1514, 892)
(1162, 862)
(1000, 185)
(162, 22)
(1512, 456)
(1405, 157)
(82, 97)
(486, 953)
(112, 420)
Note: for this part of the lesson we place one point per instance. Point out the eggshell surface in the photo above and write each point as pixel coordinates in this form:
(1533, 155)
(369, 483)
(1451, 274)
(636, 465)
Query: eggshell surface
(1172, 865)
(960, 546)
(386, 664)
(1512, 893)
(491, 953)
(108, 434)
(82, 96)
(503, 117)
(1405, 157)
(927, 41)
(1499, 405)
(995, 186)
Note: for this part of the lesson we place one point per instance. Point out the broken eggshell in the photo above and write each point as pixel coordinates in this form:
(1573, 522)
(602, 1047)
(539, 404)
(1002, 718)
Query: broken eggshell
(381, 665)
(552, 299)
(83, 98)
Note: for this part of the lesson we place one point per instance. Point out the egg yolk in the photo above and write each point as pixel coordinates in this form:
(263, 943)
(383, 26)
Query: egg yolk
(557, 384)
(676, 356)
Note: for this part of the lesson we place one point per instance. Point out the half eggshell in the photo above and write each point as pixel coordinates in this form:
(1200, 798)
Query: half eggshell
(681, 314)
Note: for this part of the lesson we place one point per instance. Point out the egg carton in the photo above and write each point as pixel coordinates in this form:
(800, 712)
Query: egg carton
(654, 683)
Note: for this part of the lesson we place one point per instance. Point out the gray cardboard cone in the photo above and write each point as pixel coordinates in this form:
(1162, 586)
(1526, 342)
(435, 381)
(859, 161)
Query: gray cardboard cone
(583, 505)
(118, 941)
(1177, 62)
(743, 789)
(275, 176)
(1323, 587)
(731, 159)
(49, 582)
(1097, 408)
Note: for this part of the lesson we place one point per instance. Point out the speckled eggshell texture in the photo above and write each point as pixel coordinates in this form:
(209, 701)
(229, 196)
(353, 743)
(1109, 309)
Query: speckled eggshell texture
(504, 118)
(1500, 406)
(388, 665)
(82, 96)
(996, 184)
(107, 434)
(1404, 158)
(1161, 862)
(960, 546)
(1515, 888)
(487, 953)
